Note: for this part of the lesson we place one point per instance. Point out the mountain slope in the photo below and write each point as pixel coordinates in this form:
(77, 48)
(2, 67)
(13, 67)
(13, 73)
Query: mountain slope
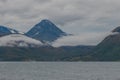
(46, 53)
(77, 53)
(26, 54)
(109, 48)
(45, 31)
(18, 40)
(5, 31)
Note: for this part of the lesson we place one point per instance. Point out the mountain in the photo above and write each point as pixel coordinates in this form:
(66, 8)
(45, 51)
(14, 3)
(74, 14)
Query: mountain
(45, 31)
(19, 40)
(5, 31)
(15, 46)
(109, 48)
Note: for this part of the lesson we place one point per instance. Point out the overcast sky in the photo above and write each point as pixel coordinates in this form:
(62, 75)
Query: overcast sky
(83, 18)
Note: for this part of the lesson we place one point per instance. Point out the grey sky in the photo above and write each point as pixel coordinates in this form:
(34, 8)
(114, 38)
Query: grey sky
(81, 17)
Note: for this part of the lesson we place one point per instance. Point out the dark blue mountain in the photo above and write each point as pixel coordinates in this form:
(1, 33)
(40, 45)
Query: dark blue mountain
(45, 31)
(5, 31)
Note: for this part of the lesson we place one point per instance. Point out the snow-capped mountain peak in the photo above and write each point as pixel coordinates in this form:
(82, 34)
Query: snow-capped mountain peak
(45, 31)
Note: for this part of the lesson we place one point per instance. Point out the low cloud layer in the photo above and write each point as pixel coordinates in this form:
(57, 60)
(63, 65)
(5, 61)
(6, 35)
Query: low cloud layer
(85, 39)
(73, 16)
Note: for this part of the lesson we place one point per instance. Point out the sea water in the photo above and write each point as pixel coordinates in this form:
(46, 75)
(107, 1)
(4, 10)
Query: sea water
(59, 71)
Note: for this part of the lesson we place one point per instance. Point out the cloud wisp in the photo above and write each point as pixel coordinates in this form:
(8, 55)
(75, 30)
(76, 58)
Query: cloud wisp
(75, 40)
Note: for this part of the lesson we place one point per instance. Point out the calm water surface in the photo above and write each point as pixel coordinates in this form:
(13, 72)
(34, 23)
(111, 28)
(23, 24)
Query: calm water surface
(59, 70)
